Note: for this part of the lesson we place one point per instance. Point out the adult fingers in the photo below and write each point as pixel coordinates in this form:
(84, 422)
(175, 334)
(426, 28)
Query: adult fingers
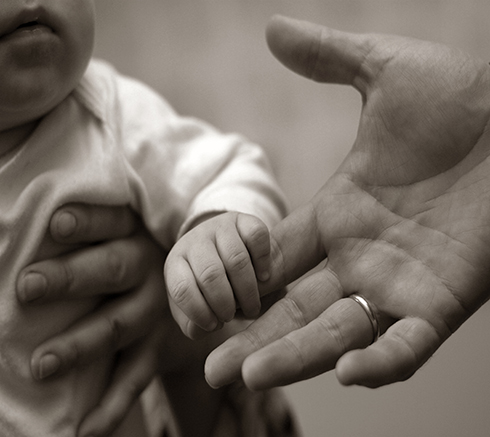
(107, 268)
(306, 301)
(136, 367)
(396, 356)
(116, 324)
(320, 53)
(81, 223)
(311, 350)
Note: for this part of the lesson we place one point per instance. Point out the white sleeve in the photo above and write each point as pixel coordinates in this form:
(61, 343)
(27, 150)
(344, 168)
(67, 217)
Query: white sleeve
(182, 168)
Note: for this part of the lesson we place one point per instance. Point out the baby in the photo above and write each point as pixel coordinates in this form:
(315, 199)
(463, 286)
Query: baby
(73, 130)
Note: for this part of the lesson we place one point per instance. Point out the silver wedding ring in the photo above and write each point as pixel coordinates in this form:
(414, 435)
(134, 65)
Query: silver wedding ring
(369, 312)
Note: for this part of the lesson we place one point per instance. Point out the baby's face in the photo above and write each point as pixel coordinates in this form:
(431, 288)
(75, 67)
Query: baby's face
(45, 46)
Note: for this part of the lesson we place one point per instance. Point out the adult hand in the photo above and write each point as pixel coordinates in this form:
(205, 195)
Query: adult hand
(404, 220)
(126, 266)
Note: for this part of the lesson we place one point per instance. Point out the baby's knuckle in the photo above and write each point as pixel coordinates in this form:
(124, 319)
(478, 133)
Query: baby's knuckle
(180, 292)
(258, 232)
(238, 261)
(210, 275)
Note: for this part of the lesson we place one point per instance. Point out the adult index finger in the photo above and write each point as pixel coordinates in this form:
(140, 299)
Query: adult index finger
(306, 301)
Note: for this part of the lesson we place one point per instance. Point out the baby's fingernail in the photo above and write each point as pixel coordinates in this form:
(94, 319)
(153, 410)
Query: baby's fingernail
(256, 311)
(263, 276)
(48, 365)
(227, 317)
(209, 383)
(218, 326)
(211, 326)
(66, 224)
(32, 286)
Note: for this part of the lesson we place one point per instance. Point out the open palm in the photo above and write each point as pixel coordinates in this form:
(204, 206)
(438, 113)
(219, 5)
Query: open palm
(405, 220)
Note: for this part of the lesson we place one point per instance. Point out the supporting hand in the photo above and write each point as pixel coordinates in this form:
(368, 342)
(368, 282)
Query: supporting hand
(405, 220)
(125, 266)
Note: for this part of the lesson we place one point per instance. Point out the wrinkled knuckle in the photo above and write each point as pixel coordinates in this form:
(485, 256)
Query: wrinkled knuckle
(238, 261)
(294, 350)
(210, 275)
(258, 232)
(252, 230)
(333, 330)
(294, 313)
(253, 338)
(180, 292)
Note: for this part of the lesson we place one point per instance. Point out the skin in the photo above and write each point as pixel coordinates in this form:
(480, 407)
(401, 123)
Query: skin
(135, 322)
(114, 257)
(404, 220)
(148, 340)
(41, 64)
(212, 269)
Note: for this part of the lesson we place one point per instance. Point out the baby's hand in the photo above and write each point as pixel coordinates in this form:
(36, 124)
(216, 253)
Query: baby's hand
(214, 268)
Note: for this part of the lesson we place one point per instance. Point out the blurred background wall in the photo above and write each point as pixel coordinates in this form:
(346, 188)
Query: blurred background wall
(209, 59)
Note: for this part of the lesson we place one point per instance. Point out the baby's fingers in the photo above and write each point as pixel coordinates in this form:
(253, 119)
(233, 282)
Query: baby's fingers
(185, 294)
(245, 256)
(401, 351)
(187, 326)
(255, 236)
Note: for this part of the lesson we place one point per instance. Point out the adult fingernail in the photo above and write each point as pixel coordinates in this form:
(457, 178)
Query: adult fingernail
(48, 365)
(32, 286)
(66, 224)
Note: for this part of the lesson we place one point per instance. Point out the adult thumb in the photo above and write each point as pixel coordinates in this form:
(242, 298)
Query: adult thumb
(317, 52)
